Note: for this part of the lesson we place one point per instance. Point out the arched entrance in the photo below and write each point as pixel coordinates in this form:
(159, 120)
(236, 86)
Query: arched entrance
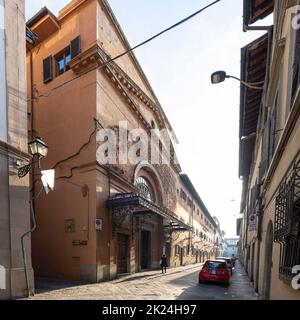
(151, 239)
(268, 262)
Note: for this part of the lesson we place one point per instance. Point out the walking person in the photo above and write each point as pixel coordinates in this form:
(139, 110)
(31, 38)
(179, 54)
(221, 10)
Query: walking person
(163, 263)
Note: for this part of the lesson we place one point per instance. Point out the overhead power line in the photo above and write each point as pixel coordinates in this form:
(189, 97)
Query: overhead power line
(162, 32)
(132, 49)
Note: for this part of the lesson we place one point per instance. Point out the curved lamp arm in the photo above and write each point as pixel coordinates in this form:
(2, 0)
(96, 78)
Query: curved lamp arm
(220, 76)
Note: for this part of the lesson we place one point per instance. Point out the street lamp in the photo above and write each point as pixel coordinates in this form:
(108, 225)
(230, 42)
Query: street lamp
(39, 150)
(221, 76)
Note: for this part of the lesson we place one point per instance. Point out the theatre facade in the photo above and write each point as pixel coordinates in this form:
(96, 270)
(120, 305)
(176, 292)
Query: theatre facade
(115, 209)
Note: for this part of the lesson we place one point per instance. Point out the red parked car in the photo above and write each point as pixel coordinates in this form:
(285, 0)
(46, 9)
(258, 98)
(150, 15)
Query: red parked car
(215, 271)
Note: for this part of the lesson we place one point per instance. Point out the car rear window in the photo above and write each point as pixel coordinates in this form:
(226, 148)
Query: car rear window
(215, 265)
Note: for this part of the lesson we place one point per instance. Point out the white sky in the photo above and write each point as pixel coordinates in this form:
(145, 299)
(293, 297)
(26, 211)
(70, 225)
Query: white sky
(205, 117)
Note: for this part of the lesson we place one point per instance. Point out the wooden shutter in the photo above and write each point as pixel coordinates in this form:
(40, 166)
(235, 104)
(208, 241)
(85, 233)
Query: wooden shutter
(75, 47)
(48, 69)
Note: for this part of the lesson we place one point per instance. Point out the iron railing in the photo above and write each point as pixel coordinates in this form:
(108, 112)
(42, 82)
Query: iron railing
(287, 222)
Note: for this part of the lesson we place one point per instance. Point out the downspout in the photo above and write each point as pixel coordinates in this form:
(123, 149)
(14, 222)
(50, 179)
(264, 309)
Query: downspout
(31, 202)
(261, 204)
(33, 228)
(29, 293)
(255, 28)
(32, 120)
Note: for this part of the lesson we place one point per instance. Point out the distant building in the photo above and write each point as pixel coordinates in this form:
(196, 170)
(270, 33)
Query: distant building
(231, 247)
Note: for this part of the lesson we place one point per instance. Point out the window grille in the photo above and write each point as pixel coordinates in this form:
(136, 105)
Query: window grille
(145, 189)
(287, 222)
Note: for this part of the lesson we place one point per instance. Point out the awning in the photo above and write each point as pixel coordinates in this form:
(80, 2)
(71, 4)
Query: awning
(43, 24)
(137, 205)
(255, 10)
(254, 60)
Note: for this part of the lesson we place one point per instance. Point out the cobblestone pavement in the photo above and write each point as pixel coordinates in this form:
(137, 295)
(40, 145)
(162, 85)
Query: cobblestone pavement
(178, 284)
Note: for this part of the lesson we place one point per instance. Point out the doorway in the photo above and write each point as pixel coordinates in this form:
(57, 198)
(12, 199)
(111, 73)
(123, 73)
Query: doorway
(181, 256)
(122, 253)
(145, 250)
(268, 262)
(168, 252)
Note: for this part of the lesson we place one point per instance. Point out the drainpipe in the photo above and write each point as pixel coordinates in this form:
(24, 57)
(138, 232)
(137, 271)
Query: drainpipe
(31, 202)
(23, 247)
(32, 120)
(33, 228)
(255, 28)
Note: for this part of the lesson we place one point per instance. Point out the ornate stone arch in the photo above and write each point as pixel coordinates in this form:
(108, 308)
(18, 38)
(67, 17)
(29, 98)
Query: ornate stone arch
(158, 187)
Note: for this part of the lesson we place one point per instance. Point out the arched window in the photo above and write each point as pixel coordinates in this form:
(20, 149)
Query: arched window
(145, 189)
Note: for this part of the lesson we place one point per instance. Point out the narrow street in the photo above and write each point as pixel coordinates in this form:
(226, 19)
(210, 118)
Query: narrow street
(178, 284)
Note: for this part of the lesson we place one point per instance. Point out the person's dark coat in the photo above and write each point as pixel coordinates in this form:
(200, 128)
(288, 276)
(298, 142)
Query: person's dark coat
(163, 261)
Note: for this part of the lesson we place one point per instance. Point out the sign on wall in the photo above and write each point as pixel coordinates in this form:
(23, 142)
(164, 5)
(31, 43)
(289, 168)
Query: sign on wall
(252, 221)
(3, 107)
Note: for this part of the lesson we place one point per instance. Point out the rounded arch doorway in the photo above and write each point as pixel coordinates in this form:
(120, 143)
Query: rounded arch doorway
(151, 238)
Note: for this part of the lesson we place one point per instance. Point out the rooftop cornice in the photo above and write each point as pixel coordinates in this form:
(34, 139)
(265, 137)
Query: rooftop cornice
(95, 57)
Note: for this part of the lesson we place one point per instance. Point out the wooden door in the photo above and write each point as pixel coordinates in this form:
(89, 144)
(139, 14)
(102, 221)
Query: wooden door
(122, 253)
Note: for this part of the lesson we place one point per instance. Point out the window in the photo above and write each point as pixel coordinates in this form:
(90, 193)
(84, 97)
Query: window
(198, 212)
(47, 69)
(153, 126)
(145, 189)
(287, 222)
(296, 66)
(183, 195)
(62, 61)
(177, 250)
